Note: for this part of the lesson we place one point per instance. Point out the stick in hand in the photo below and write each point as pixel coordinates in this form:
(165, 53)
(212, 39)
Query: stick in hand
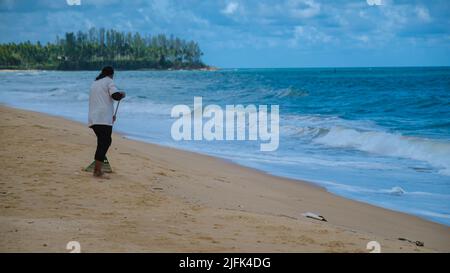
(115, 112)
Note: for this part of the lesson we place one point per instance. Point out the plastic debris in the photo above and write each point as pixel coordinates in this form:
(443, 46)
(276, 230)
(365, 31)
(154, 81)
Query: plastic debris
(417, 243)
(314, 216)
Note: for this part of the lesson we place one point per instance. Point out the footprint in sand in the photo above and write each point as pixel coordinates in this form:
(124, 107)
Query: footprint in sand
(161, 173)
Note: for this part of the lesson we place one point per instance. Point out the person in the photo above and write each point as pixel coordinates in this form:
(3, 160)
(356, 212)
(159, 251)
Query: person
(101, 113)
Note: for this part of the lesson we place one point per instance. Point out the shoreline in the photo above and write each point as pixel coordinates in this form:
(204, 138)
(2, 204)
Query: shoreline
(207, 68)
(251, 210)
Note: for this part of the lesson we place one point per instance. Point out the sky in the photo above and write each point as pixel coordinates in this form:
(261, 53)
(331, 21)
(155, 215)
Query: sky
(257, 33)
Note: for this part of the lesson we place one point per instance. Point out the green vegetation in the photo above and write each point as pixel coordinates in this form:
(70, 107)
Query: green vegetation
(97, 48)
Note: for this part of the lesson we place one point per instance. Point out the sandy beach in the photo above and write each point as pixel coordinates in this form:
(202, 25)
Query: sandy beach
(165, 200)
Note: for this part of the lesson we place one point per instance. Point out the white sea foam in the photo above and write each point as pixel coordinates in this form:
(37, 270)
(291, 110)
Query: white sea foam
(431, 214)
(312, 160)
(291, 92)
(366, 136)
(395, 191)
(137, 106)
(434, 152)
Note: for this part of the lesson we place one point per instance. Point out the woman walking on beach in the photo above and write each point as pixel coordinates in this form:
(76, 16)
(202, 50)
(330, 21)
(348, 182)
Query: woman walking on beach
(101, 113)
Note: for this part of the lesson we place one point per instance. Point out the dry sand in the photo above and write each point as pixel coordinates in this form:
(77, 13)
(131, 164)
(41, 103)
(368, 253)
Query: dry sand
(164, 200)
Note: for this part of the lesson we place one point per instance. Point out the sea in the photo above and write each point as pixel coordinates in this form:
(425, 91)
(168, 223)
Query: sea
(376, 135)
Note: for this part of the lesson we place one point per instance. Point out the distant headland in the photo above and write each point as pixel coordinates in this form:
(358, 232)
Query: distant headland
(96, 48)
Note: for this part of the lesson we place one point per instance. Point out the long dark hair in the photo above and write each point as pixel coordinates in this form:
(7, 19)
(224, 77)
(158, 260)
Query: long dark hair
(106, 71)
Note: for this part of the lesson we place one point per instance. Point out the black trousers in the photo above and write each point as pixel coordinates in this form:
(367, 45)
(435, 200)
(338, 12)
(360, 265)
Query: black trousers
(103, 133)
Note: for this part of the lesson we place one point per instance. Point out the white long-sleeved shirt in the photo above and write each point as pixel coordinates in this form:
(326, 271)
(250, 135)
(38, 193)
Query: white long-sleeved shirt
(101, 105)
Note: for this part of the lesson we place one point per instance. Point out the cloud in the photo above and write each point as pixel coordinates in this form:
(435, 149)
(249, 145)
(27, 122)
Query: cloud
(308, 35)
(68, 21)
(374, 2)
(288, 9)
(230, 8)
(423, 14)
(362, 38)
(303, 8)
(7, 4)
(101, 2)
(73, 2)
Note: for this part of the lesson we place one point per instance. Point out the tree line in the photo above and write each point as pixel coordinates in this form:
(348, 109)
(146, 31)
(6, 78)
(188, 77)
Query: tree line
(99, 47)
